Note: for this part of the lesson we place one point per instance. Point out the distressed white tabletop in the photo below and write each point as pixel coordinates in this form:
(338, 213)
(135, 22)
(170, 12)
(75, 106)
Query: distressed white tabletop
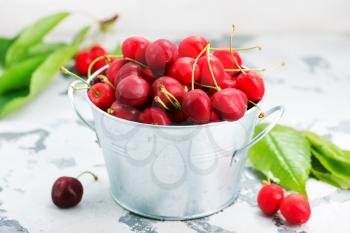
(45, 140)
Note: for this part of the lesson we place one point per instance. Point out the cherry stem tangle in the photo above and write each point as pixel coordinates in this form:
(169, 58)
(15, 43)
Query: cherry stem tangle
(172, 99)
(231, 49)
(195, 63)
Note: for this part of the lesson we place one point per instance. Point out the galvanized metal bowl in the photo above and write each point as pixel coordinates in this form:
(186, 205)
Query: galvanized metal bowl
(174, 172)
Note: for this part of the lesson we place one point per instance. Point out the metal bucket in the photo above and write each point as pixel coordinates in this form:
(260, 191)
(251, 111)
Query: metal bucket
(174, 172)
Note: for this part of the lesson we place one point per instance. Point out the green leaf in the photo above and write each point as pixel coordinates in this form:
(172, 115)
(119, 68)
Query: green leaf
(330, 156)
(322, 174)
(43, 48)
(4, 45)
(32, 36)
(9, 102)
(283, 156)
(18, 76)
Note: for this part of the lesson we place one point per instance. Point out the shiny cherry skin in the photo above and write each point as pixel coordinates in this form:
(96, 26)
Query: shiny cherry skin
(270, 198)
(191, 46)
(160, 54)
(66, 192)
(214, 117)
(133, 91)
(113, 69)
(135, 48)
(252, 85)
(171, 85)
(82, 62)
(124, 111)
(230, 104)
(228, 82)
(196, 104)
(97, 51)
(126, 70)
(205, 74)
(102, 95)
(154, 116)
(182, 70)
(295, 208)
(226, 59)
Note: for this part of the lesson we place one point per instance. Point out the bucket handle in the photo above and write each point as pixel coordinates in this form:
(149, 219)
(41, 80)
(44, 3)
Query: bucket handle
(276, 109)
(71, 94)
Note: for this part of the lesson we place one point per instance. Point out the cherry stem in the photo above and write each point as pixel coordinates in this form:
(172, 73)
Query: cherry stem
(258, 47)
(265, 182)
(172, 99)
(211, 69)
(106, 57)
(158, 100)
(88, 172)
(135, 61)
(262, 114)
(231, 49)
(247, 69)
(195, 63)
(141, 64)
(105, 80)
(202, 85)
(67, 72)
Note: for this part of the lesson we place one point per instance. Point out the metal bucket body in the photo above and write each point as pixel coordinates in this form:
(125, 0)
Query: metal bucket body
(174, 172)
(177, 172)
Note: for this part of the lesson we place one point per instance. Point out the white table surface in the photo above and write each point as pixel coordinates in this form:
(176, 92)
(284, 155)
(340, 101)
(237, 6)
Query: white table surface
(45, 140)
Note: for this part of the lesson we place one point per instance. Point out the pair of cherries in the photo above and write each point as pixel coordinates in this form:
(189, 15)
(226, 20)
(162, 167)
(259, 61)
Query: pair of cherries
(294, 207)
(161, 83)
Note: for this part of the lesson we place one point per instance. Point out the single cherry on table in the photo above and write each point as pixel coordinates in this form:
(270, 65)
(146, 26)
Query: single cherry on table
(67, 191)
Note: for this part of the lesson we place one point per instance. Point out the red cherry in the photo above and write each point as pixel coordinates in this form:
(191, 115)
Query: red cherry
(135, 48)
(205, 75)
(113, 69)
(228, 82)
(82, 62)
(182, 70)
(84, 58)
(126, 70)
(102, 95)
(229, 103)
(252, 85)
(148, 75)
(226, 59)
(133, 91)
(192, 46)
(66, 192)
(154, 116)
(196, 104)
(270, 198)
(295, 208)
(95, 52)
(172, 86)
(160, 54)
(214, 117)
(124, 111)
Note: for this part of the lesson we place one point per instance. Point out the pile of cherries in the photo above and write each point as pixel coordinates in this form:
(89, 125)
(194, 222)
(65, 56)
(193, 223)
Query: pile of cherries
(294, 207)
(164, 84)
